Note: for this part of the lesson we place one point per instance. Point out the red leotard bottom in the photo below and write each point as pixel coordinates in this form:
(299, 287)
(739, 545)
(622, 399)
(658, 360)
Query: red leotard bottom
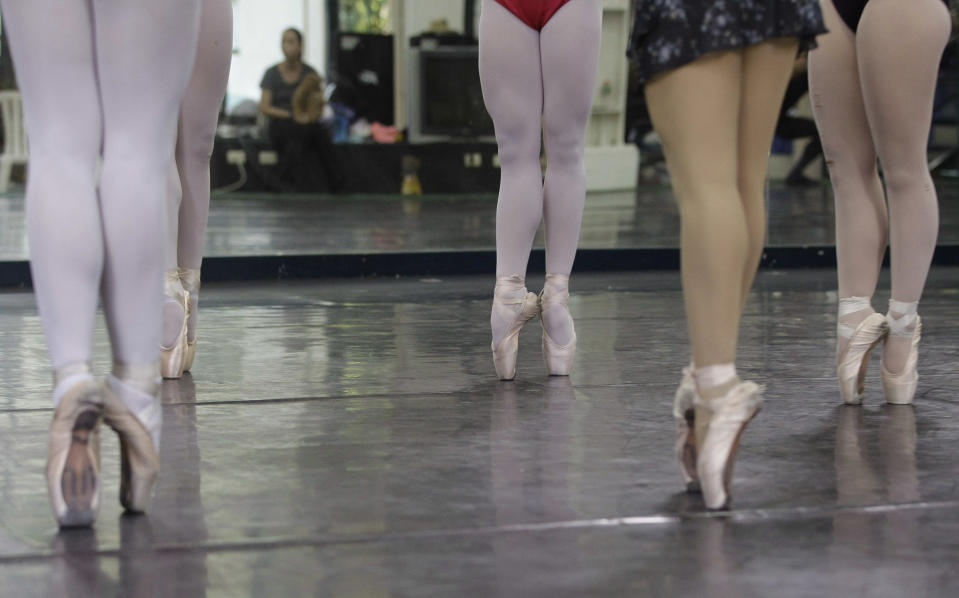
(535, 13)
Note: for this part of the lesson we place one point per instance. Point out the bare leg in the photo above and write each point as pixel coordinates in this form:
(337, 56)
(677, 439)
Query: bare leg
(766, 72)
(695, 110)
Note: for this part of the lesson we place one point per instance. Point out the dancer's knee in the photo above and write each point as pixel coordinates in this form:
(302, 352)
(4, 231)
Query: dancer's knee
(906, 182)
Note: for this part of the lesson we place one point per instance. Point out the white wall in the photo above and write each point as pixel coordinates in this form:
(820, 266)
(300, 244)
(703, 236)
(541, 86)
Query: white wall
(257, 28)
(418, 14)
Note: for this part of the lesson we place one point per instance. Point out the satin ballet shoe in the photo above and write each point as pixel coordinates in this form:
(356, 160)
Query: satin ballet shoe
(190, 278)
(852, 364)
(504, 353)
(900, 389)
(73, 461)
(139, 435)
(190, 354)
(558, 358)
(685, 415)
(173, 358)
(720, 423)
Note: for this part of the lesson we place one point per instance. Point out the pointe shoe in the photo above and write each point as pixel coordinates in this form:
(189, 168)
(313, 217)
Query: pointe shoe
(720, 423)
(190, 354)
(852, 364)
(685, 414)
(73, 461)
(900, 389)
(173, 358)
(504, 353)
(558, 358)
(190, 277)
(139, 446)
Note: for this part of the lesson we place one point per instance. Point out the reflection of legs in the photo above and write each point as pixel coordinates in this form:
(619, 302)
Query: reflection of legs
(695, 110)
(848, 149)
(898, 82)
(568, 80)
(195, 133)
(512, 82)
(897, 452)
(197, 127)
(766, 69)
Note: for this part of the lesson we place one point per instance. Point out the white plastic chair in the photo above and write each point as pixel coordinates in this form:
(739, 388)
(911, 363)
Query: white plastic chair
(14, 135)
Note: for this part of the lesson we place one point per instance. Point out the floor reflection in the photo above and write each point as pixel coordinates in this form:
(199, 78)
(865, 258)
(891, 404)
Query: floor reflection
(876, 463)
(350, 438)
(258, 224)
(76, 570)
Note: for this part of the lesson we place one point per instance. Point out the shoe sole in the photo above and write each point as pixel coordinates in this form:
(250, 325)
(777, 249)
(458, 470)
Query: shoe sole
(859, 396)
(730, 462)
(733, 453)
(687, 454)
(78, 481)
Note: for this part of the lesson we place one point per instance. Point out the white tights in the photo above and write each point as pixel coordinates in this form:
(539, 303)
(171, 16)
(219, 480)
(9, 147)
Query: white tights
(100, 78)
(872, 94)
(536, 81)
(189, 180)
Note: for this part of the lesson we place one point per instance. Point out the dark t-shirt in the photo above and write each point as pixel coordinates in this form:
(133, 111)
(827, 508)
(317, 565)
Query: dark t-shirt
(283, 91)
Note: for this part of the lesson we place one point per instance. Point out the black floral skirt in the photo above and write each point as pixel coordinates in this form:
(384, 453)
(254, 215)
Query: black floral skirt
(670, 33)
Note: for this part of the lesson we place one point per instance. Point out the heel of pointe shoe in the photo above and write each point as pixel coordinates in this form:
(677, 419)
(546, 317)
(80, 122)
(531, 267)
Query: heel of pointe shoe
(139, 435)
(727, 419)
(73, 462)
(685, 415)
(504, 358)
(558, 358)
(853, 363)
(173, 358)
(190, 355)
(190, 279)
(900, 389)
(505, 353)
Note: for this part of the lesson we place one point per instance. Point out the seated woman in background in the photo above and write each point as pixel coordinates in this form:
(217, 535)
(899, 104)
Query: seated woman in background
(296, 133)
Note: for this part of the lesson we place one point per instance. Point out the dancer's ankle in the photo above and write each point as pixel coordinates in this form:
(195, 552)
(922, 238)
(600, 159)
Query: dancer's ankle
(137, 384)
(852, 311)
(508, 296)
(510, 287)
(66, 376)
(714, 381)
(902, 319)
(555, 309)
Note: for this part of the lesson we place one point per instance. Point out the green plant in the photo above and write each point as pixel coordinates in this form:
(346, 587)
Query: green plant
(365, 16)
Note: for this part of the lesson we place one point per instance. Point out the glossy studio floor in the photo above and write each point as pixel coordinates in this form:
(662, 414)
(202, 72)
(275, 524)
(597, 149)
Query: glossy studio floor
(347, 437)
